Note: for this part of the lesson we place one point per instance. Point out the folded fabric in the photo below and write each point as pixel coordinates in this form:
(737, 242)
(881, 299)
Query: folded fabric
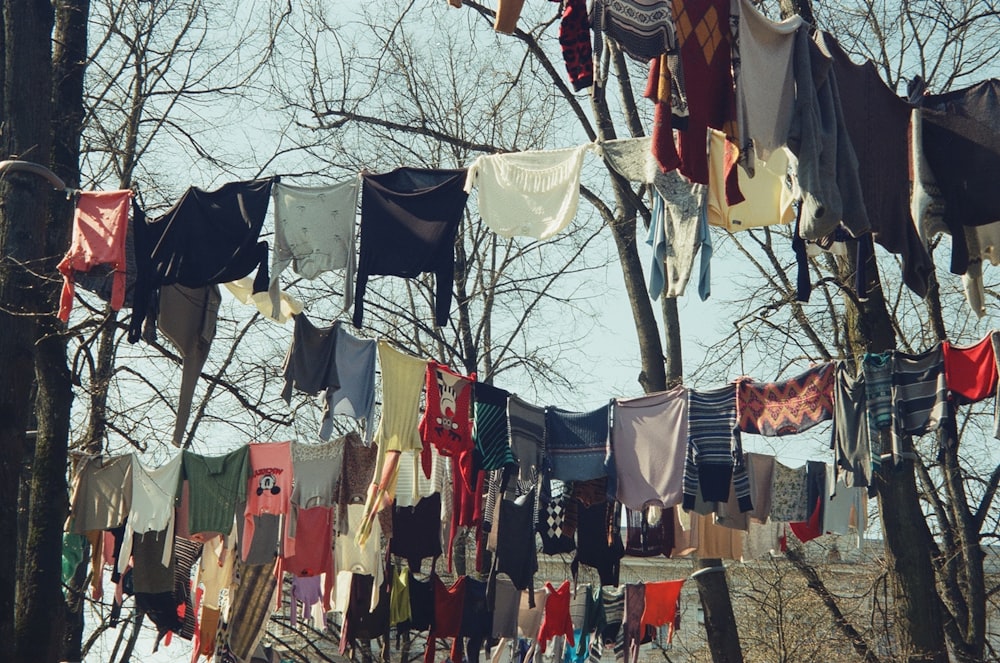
(314, 233)
(288, 306)
(533, 194)
(100, 224)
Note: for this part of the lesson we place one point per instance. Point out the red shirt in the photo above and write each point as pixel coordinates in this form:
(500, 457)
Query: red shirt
(99, 228)
(556, 620)
(970, 372)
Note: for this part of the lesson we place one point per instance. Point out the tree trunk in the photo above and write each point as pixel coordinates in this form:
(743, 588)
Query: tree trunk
(26, 115)
(40, 610)
(720, 623)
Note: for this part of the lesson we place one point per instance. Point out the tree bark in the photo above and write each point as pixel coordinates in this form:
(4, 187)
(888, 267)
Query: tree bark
(41, 608)
(720, 623)
(26, 134)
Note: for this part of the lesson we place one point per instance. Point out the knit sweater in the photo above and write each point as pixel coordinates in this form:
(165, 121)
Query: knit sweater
(714, 450)
(534, 194)
(877, 121)
(827, 164)
(576, 443)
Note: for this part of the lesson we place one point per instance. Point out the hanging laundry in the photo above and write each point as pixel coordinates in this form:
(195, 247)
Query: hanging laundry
(598, 534)
(102, 493)
(172, 611)
(269, 492)
(788, 501)
(788, 407)
(533, 194)
(251, 598)
(100, 224)
(768, 198)
(477, 618)
(646, 536)
(409, 220)
(827, 164)
(310, 365)
(308, 592)
(576, 443)
(206, 238)
(970, 372)
(366, 614)
(675, 235)
(850, 442)
(355, 397)
(402, 383)
(421, 604)
(216, 484)
(556, 525)
(648, 438)
(877, 121)
(506, 602)
(574, 38)
(448, 602)
(961, 143)
(842, 502)
(313, 547)
(877, 371)
(556, 620)
(675, 230)
(663, 89)
(643, 28)
(633, 628)
(288, 306)
(714, 455)
(515, 554)
(399, 597)
(353, 558)
(317, 469)
(662, 605)
(919, 397)
(703, 37)
(632, 158)
(447, 420)
(154, 491)
(215, 572)
(314, 233)
(508, 11)
(765, 82)
(489, 428)
(187, 318)
(760, 470)
(416, 531)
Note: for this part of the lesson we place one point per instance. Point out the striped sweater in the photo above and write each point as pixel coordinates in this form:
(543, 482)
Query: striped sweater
(919, 397)
(714, 452)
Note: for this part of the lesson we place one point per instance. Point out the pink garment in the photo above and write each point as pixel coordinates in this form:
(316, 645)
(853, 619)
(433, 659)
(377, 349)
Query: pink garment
(99, 228)
(307, 591)
(269, 490)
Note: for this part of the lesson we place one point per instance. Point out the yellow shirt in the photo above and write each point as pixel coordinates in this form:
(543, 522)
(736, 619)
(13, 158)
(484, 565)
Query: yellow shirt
(768, 197)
